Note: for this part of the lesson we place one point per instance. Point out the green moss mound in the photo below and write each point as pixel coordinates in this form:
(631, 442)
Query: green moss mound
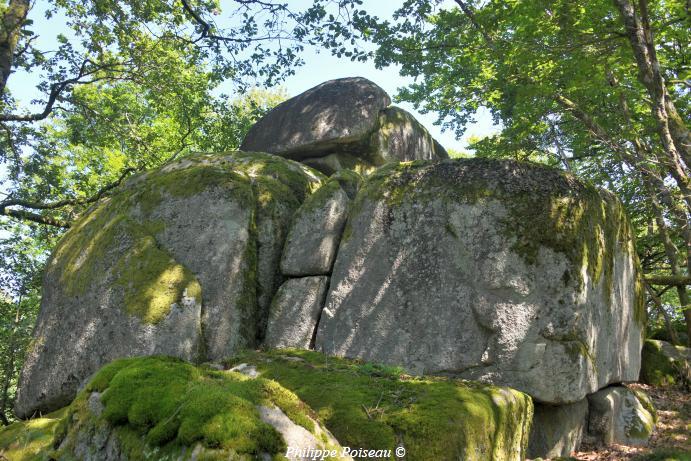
(659, 368)
(164, 408)
(166, 404)
(378, 407)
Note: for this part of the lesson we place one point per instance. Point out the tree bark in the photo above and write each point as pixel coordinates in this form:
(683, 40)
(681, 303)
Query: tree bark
(11, 24)
(674, 134)
(674, 339)
(668, 280)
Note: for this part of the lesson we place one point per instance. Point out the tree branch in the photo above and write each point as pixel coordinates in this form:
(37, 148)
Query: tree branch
(207, 28)
(41, 219)
(57, 89)
(34, 217)
(668, 280)
(470, 14)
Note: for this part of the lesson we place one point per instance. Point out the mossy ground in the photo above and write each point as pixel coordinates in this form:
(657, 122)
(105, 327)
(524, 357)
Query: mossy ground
(378, 407)
(26, 440)
(164, 403)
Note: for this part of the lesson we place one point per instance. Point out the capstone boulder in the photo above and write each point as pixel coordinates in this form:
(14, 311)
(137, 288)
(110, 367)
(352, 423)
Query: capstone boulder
(346, 123)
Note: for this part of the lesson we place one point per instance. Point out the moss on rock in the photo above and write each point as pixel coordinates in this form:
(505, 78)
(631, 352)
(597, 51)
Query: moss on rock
(164, 408)
(149, 278)
(660, 367)
(167, 403)
(378, 407)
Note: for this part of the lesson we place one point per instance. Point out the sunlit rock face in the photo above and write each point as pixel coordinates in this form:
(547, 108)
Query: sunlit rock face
(314, 235)
(346, 123)
(499, 271)
(173, 263)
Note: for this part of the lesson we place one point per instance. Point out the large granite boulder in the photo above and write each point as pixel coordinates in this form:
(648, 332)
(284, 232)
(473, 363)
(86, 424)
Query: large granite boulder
(314, 235)
(345, 123)
(334, 116)
(401, 138)
(618, 415)
(171, 264)
(506, 272)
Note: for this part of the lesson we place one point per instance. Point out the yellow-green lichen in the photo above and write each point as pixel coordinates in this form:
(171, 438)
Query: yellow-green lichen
(108, 242)
(152, 281)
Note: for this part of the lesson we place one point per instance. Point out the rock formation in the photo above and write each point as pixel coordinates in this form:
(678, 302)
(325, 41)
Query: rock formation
(498, 271)
(618, 415)
(558, 430)
(181, 261)
(346, 123)
(504, 272)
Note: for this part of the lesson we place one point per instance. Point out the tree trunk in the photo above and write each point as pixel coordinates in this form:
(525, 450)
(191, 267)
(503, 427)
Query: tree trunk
(11, 25)
(673, 132)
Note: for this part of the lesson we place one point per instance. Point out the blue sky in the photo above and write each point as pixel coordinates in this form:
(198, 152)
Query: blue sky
(319, 67)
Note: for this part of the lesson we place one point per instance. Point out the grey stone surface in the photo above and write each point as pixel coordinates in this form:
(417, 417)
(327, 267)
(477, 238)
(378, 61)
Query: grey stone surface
(401, 138)
(349, 180)
(179, 247)
(245, 369)
(619, 416)
(79, 331)
(299, 440)
(333, 116)
(331, 163)
(557, 429)
(295, 312)
(498, 271)
(343, 124)
(310, 248)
